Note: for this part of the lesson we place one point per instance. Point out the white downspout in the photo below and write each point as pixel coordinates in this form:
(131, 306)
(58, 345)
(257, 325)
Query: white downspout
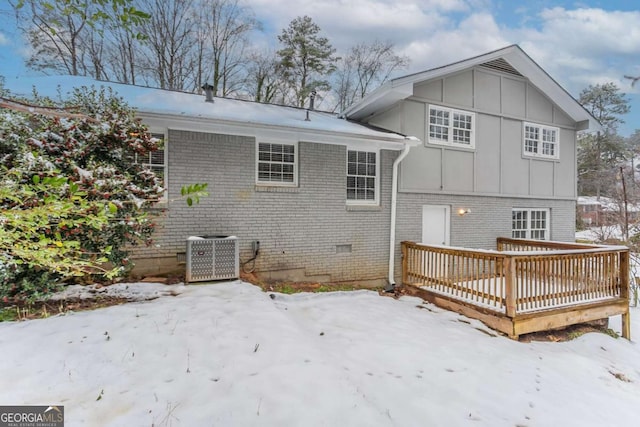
(394, 201)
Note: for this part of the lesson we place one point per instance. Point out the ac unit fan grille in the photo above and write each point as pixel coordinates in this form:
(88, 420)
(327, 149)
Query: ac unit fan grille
(212, 259)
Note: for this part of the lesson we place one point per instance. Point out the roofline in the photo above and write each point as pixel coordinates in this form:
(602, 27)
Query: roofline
(396, 89)
(458, 65)
(395, 141)
(392, 140)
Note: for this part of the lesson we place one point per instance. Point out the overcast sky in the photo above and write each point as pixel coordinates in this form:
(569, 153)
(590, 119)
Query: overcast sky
(577, 42)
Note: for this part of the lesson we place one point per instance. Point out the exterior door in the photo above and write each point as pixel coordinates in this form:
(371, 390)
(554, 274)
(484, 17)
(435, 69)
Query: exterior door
(435, 224)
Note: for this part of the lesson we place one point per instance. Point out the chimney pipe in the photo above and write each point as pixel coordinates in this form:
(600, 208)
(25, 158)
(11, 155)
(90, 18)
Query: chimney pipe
(208, 92)
(312, 98)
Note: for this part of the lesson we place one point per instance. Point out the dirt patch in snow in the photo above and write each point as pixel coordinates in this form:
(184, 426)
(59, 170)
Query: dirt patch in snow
(569, 333)
(292, 287)
(43, 309)
(87, 297)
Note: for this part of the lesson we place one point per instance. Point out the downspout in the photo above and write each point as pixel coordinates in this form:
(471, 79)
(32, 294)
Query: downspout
(409, 141)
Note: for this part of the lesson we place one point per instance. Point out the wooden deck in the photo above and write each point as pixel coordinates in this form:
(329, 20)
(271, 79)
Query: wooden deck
(525, 285)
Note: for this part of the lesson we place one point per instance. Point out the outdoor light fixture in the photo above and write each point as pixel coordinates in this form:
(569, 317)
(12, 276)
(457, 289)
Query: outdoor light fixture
(463, 211)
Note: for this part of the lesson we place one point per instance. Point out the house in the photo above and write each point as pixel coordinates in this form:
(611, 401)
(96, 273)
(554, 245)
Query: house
(478, 149)
(498, 156)
(595, 211)
(314, 190)
(600, 211)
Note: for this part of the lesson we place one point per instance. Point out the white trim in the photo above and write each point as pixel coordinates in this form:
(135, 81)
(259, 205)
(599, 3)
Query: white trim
(539, 154)
(295, 163)
(376, 201)
(260, 131)
(449, 142)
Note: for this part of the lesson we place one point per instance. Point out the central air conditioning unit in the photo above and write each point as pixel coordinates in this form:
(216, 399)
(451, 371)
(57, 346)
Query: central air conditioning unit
(212, 258)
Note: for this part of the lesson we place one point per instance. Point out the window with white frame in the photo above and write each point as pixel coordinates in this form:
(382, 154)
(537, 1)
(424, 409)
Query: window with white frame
(530, 224)
(451, 127)
(155, 160)
(541, 141)
(362, 177)
(277, 164)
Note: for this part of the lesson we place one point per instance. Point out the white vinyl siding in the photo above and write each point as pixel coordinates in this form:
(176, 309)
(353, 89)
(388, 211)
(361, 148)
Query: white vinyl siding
(362, 177)
(277, 164)
(447, 126)
(541, 141)
(530, 224)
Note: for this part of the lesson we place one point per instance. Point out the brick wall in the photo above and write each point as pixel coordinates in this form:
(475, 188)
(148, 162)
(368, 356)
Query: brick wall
(298, 228)
(307, 230)
(488, 219)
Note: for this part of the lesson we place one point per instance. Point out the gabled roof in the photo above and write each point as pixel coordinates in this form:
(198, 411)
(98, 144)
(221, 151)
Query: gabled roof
(183, 105)
(511, 59)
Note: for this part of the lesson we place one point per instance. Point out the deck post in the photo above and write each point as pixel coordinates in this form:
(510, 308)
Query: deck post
(405, 272)
(509, 272)
(624, 292)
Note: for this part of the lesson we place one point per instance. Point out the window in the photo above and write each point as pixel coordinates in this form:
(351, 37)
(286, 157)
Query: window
(362, 174)
(155, 160)
(541, 141)
(277, 164)
(451, 127)
(530, 224)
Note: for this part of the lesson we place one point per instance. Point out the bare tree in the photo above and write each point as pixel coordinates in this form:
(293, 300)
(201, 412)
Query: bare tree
(123, 46)
(222, 29)
(122, 54)
(365, 66)
(166, 57)
(69, 36)
(55, 36)
(264, 77)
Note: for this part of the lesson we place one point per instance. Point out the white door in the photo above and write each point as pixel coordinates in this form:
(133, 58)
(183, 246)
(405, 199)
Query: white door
(435, 224)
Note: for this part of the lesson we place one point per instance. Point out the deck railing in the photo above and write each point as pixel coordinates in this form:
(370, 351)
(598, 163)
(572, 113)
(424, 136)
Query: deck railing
(522, 276)
(507, 244)
(465, 274)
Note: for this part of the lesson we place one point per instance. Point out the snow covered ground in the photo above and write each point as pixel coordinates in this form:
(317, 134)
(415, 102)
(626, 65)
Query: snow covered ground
(598, 234)
(228, 354)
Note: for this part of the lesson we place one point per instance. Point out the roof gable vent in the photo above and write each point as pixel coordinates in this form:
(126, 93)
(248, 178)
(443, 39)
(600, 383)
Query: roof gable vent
(502, 66)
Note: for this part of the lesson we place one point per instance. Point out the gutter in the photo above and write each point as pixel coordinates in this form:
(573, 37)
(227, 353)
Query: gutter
(410, 141)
